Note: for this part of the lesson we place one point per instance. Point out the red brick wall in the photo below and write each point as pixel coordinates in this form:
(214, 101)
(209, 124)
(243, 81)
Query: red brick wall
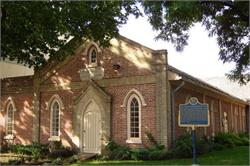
(119, 114)
(234, 121)
(16, 82)
(66, 115)
(71, 71)
(23, 117)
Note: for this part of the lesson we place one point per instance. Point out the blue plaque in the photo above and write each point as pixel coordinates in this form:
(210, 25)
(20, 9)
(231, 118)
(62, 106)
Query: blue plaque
(193, 113)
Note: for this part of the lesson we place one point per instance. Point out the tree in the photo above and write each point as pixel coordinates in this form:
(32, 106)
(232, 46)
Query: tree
(33, 31)
(227, 20)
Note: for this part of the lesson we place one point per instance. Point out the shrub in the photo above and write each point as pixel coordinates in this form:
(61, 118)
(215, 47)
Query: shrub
(244, 137)
(118, 152)
(73, 159)
(153, 142)
(217, 146)
(57, 161)
(204, 145)
(157, 154)
(15, 162)
(34, 149)
(62, 152)
(4, 148)
(140, 154)
(183, 146)
(121, 153)
(228, 139)
(111, 145)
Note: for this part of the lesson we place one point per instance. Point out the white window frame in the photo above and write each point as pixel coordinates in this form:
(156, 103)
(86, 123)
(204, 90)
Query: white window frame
(129, 138)
(10, 136)
(53, 137)
(93, 64)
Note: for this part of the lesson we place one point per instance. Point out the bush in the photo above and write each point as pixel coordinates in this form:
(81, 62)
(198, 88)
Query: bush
(156, 152)
(217, 146)
(15, 162)
(73, 159)
(121, 153)
(57, 161)
(35, 149)
(244, 137)
(4, 148)
(183, 146)
(118, 152)
(140, 154)
(62, 152)
(228, 139)
(204, 145)
(153, 142)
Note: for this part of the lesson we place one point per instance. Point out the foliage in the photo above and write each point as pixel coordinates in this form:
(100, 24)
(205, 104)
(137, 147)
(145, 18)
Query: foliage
(33, 30)
(205, 145)
(35, 149)
(228, 139)
(140, 154)
(57, 149)
(63, 152)
(118, 152)
(155, 152)
(228, 21)
(153, 142)
(244, 138)
(4, 148)
(73, 159)
(231, 156)
(57, 161)
(15, 162)
(183, 146)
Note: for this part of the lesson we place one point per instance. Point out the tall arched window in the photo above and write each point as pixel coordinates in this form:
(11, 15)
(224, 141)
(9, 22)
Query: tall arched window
(93, 56)
(134, 119)
(10, 119)
(55, 119)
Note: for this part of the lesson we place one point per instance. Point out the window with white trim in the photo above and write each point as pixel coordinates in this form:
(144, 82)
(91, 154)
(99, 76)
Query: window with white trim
(10, 119)
(134, 119)
(93, 56)
(55, 119)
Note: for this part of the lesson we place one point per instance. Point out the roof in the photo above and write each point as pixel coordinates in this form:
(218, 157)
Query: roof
(201, 83)
(231, 87)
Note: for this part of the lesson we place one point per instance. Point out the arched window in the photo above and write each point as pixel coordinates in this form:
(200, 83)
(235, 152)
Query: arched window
(93, 56)
(55, 119)
(134, 119)
(10, 119)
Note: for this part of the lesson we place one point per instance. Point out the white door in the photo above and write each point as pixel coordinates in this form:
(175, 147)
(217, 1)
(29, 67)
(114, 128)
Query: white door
(91, 130)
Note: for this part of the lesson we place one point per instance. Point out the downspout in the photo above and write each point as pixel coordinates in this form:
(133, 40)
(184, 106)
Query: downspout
(173, 111)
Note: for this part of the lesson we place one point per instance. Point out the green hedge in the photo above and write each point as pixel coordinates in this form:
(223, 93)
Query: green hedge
(34, 149)
(183, 147)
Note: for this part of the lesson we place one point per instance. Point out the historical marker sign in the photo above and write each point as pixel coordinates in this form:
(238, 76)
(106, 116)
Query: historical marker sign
(194, 113)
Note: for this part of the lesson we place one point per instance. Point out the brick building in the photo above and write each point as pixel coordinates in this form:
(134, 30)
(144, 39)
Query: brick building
(121, 92)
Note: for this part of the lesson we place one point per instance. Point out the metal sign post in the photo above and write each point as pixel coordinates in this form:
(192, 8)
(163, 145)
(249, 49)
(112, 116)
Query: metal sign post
(193, 144)
(193, 114)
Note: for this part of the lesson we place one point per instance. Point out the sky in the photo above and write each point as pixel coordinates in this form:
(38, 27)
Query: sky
(200, 57)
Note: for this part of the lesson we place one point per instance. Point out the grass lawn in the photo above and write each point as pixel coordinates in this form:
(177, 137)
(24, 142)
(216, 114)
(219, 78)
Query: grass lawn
(233, 156)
